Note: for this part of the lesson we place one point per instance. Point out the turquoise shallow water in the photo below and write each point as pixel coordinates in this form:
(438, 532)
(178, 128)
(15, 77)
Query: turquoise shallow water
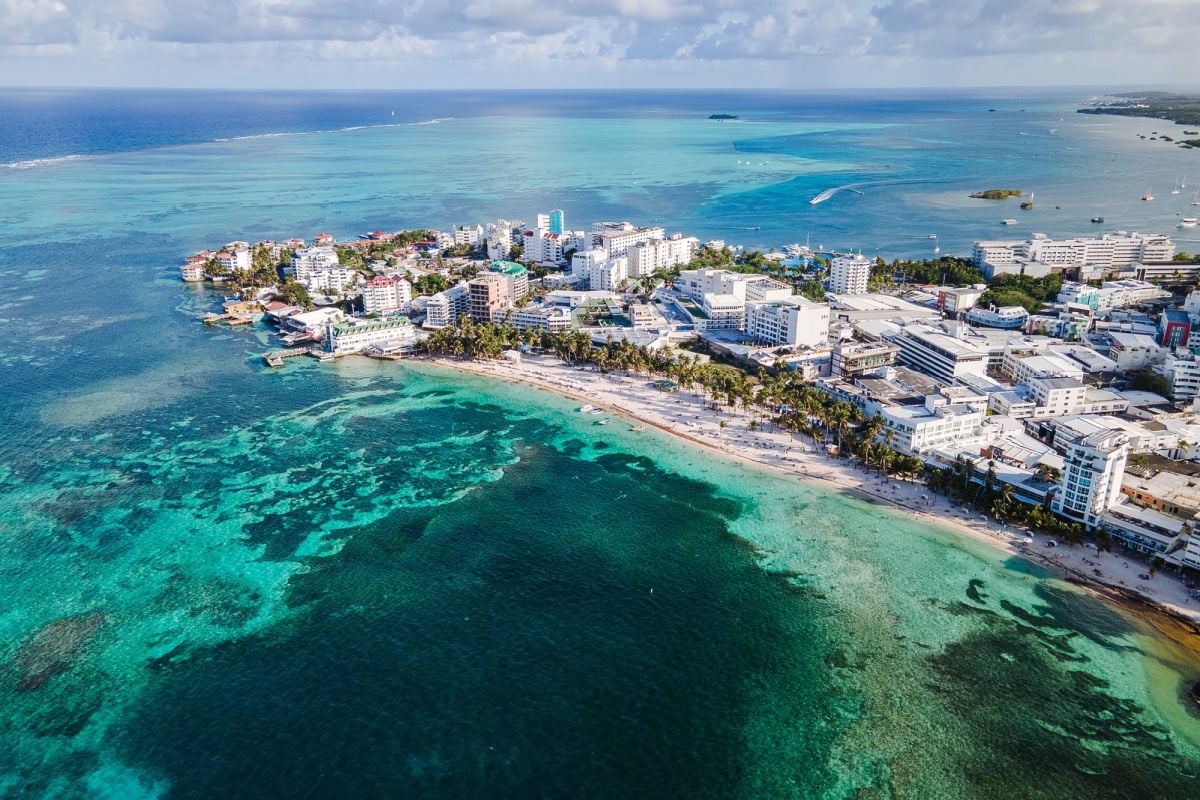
(389, 580)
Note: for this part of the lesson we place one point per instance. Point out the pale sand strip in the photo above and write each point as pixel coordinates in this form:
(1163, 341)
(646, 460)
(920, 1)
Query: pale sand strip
(687, 416)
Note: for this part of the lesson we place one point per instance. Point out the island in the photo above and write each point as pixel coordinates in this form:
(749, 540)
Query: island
(996, 194)
(722, 116)
(1183, 109)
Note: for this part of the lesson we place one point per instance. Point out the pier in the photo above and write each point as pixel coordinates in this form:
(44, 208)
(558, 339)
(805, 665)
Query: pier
(275, 357)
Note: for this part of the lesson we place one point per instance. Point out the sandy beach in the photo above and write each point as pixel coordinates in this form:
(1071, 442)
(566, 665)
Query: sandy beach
(1113, 576)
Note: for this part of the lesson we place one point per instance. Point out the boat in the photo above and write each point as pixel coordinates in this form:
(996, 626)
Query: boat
(1028, 204)
(1147, 196)
(638, 428)
(1187, 222)
(604, 421)
(585, 409)
(1097, 220)
(1196, 199)
(1009, 221)
(597, 411)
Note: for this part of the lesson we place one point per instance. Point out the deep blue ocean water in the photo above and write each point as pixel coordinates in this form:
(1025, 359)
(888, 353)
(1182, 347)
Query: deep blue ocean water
(371, 580)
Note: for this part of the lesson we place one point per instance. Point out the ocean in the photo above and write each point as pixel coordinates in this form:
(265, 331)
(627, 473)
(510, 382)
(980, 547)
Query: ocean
(391, 580)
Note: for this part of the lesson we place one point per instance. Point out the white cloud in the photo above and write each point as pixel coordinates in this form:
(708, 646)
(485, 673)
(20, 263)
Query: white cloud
(641, 35)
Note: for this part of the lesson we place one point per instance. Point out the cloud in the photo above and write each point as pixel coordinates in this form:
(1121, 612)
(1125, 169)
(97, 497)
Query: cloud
(610, 32)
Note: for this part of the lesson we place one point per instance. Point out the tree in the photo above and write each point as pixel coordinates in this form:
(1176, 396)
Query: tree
(1150, 382)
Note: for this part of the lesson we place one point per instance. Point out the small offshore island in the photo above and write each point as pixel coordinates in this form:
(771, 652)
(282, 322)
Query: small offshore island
(972, 385)
(996, 194)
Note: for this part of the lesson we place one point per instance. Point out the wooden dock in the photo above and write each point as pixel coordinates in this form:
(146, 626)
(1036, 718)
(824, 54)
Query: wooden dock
(275, 357)
(232, 319)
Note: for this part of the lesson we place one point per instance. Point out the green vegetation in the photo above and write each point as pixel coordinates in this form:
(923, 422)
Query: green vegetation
(1022, 290)
(944, 271)
(431, 284)
(1151, 382)
(996, 194)
(1183, 109)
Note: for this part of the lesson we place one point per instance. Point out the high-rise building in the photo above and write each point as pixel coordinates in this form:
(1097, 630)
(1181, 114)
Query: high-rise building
(1091, 476)
(488, 297)
(849, 274)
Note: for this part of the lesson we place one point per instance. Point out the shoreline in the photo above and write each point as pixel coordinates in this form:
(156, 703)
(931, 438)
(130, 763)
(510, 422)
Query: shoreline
(1161, 601)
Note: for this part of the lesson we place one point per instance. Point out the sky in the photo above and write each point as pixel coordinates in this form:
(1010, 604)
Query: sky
(552, 44)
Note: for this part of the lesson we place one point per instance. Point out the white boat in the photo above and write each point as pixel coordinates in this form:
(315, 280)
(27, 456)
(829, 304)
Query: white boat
(597, 411)
(1187, 222)
(585, 409)
(1009, 221)
(1196, 199)
(1147, 196)
(603, 421)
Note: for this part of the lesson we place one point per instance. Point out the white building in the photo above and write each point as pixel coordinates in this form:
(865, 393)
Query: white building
(471, 235)
(234, 260)
(445, 308)
(1183, 371)
(917, 429)
(1091, 477)
(393, 333)
(646, 257)
(724, 312)
(1133, 351)
(329, 281)
(312, 259)
(1055, 397)
(616, 243)
(796, 321)
(547, 318)
(939, 355)
(849, 274)
(1005, 317)
(1109, 251)
(386, 294)
(543, 247)
(607, 274)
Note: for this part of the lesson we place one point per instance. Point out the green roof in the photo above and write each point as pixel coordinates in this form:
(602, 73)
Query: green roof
(507, 268)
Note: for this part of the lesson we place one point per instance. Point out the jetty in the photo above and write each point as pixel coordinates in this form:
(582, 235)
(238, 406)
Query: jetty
(231, 319)
(275, 357)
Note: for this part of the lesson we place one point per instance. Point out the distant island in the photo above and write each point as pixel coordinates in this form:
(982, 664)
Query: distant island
(722, 116)
(996, 194)
(1183, 109)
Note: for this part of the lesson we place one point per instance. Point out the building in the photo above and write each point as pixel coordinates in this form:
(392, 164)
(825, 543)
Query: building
(617, 242)
(470, 235)
(386, 294)
(794, 322)
(853, 359)
(547, 318)
(939, 354)
(446, 308)
(608, 274)
(330, 281)
(235, 260)
(552, 222)
(646, 257)
(1005, 317)
(722, 312)
(1053, 397)
(193, 269)
(540, 246)
(1174, 328)
(1091, 477)
(391, 334)
(488, 297)
(954, 300)
(849, 274)
(516, 276)
(1133, 351)
(918, 429)
(1183, 372)
(1108, 252)
(312, 259)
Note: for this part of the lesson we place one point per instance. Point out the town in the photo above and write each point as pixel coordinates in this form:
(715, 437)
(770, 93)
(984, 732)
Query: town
(1045, 382)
